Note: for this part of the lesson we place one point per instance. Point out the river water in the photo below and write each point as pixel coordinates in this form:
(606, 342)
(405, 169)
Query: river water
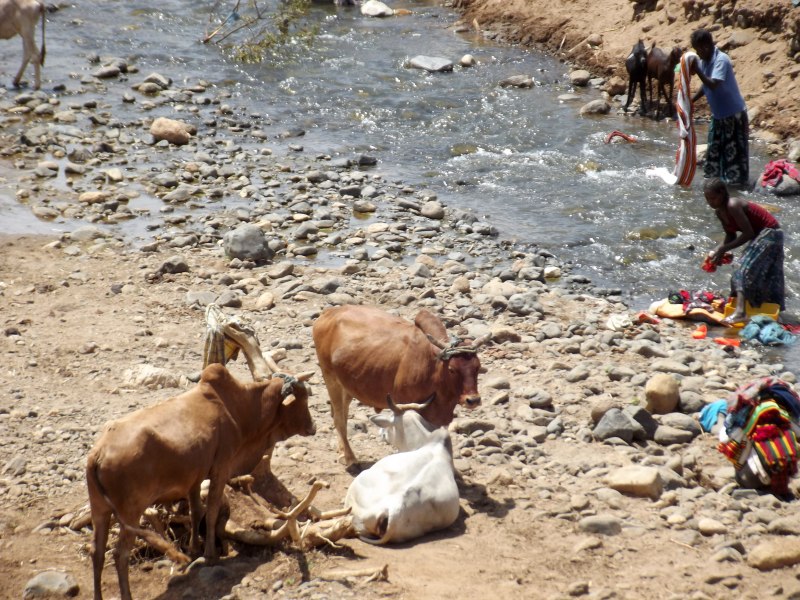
(520, 158)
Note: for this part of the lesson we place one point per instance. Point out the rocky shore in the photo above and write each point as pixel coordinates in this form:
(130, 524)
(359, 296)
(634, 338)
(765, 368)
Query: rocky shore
(568, 482)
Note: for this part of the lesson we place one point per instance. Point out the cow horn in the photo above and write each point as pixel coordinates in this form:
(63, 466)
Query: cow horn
(435, 342)
(304, 376)
(398, 410)
(271, 362)
(481, 341)
(288, 400)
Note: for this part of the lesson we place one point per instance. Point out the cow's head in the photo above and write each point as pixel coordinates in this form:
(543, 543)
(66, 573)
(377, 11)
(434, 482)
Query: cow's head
(404, 429)
(462, 366)
(293, 416)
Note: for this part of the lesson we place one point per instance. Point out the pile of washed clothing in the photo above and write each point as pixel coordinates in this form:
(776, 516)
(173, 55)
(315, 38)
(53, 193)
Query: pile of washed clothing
(781, 177)
(760, 434)
(767, 331)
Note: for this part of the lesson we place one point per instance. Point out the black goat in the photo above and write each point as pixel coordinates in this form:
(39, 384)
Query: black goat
(636, 65)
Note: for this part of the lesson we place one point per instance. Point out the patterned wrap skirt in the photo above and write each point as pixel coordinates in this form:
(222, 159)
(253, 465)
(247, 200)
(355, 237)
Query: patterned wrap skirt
(759, 275)
(728, 155)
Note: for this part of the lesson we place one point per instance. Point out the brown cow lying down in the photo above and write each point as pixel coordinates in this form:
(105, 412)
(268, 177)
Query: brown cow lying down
(217, 430)
(366, 353)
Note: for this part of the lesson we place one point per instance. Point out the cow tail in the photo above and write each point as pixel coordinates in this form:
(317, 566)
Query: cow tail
(43, 51)
(151, 537)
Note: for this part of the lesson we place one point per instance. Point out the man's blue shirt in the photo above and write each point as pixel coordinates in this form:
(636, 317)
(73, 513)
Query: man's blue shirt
(725, 100)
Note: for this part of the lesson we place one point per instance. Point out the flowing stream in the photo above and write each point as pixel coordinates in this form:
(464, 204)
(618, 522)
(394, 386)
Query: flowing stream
(523, 159)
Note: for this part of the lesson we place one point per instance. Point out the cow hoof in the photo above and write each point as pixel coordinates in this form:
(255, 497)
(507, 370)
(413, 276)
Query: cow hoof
(354, 468)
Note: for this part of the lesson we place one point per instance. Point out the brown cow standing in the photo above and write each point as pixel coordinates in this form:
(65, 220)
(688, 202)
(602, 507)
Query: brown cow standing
(18, 17)
(367, 354)
(217, 430)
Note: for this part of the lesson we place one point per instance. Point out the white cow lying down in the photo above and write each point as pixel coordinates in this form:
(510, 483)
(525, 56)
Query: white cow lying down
(411, 493)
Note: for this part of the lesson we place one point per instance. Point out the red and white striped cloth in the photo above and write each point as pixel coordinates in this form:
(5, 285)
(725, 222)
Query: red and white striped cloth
(686, 156)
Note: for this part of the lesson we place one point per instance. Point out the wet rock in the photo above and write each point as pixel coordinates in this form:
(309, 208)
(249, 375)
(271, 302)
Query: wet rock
(518, 81)
(94, 197)
(158, 79)
(467, 60)
(580, 77)
(174, 132)
(432, 64)
(374, 8)
(432, 210)
(596, 107)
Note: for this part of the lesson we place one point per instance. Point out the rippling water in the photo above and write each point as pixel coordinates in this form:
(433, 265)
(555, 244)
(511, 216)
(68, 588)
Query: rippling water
(535, 168)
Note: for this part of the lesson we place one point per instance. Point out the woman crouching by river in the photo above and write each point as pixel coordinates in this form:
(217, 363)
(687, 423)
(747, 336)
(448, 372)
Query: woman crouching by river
(759, 275)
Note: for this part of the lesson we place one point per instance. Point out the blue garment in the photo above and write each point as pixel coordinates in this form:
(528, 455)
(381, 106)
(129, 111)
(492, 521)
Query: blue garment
(725, 100)
(765, 330)
(710, 412)
(784, 397)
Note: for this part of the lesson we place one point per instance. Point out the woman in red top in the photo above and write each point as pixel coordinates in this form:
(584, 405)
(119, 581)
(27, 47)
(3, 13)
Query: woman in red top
(759, 275)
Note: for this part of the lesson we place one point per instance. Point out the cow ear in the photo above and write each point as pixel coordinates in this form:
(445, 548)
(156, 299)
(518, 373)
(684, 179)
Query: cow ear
(382, 421)
(288, 400)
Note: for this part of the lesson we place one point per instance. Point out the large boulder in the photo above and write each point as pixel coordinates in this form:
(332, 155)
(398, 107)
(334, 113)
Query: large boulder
(662, 394)
(175, 132)
(636, 480)
(247, 242)
(374, 8)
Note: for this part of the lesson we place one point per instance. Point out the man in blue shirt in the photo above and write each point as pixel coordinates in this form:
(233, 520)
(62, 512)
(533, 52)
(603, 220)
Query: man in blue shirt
(727, 156)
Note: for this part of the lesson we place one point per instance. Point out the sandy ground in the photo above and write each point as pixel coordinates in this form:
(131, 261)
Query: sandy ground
(75, 321)
(762, 38)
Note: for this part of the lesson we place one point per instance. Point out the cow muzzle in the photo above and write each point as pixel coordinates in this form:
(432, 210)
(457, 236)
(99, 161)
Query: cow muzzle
(472, 402)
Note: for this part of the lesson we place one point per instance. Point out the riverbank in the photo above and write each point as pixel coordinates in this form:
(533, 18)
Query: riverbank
(95, 326)
(761, 36)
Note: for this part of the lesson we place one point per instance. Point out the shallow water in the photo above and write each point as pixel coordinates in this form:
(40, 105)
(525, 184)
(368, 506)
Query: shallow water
(534, 168)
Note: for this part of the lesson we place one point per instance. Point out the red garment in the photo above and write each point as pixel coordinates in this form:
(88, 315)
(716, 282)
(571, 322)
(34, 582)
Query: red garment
(759, 217)
(710, 267)
(775, 170)
(624, 136)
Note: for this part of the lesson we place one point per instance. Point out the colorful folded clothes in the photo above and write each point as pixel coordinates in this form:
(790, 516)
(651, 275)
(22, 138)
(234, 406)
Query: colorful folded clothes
(761, 432)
